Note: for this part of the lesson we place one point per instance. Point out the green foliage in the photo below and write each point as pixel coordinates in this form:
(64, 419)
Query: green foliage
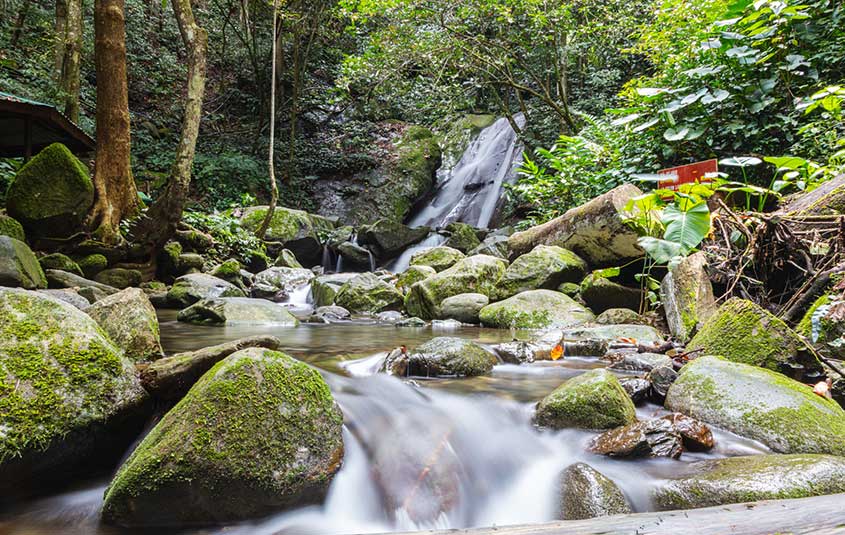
(231, 240)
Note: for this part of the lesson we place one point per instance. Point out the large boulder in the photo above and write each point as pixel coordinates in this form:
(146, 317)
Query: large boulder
(742, 331)
(592, 400)
(587, 493)
(130, 320)
(463, 307)
(52, 193)
(461, 237)
(296, 230)
(91, 290)
(652, 438)
(440, 258)
(119, 278)
(92, 264)
(617, 316)
(260, 432)
(753, 478)
(188, 289)
(70, 401)
(389, 237)
(544, 267)
(493, 245)
(413, 275)
(448, 356)
(367, 293)
(596, 231)
(601, 294)
(536, 309)
(282, 280)
(237, 310)
(827, 199)
(69, 296)
(324, 288)
(760, 404)
(18, 265)
(475, 274)
(643, 334)
(687, 296)
(61, 262)
(10, 227)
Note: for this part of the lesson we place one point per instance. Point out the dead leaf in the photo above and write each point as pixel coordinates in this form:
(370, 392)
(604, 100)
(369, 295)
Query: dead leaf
(557, 352)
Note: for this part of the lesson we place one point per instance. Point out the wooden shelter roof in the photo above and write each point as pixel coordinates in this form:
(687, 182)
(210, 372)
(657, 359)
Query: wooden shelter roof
(27, 126)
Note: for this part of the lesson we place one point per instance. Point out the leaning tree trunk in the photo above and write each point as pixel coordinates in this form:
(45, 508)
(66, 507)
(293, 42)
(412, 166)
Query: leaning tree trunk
(117, 197)
(164, 215)
(68, 54)
(274, 189)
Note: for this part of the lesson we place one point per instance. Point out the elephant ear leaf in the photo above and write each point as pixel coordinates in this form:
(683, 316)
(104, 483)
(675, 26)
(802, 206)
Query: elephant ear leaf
(661, 251)
(688, 226)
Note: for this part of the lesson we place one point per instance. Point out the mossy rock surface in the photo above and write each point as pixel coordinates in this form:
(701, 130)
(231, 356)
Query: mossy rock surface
(535, 309)
(413, 275)
(463, 307)
(592, 400)
(237, 310)
(325, 287)
(475, 274)
(687, 296)
(67, 393)
(52, 193)
(60, 261)
(587, 493)
(753, 478)
(188, 289)
(286, 258)
(366, 292)
(230, 271)
(643, 334)
(389, 237)
(462, 237)
(601, 294)
(805, 326)
(297, 230)
(439, 258)
(496, 245)
(753, 402)
(744, 332)
(260, 432)
(545, 267)
(615, 316)
(283, 278)
(92, 264)
(18, 265)
(450, 356)
(119, 278)
(130, 321)
(10, 226)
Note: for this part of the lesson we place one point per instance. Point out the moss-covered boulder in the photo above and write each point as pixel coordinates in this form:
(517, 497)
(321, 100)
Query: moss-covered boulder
(461, 237)
(325, 287)
(281, 279)
(546, 267)
(592, 400)
(587, 493)
(601, 294)
(615, 316)
(230, 271)
(188, 289)
(190, 263)
(366, 292)
(69, 400)
(687, 296)
(753, 478)
(130, 320)
(757, 403)
(258, 433)
(476, 274)
(92, 264)
(742, 331)
(535, 309)
(52, 193)
(463, 307)
(643, 334)
(119, 278)
(388, 237)
(297, 230)
(9, 226)
(450, 356)
(495, 245)
(413, 275)
(69, 296)
(286, 258)
(440, 258)
(92, 290)
(18, 265)
(237, 310)
(60, 261)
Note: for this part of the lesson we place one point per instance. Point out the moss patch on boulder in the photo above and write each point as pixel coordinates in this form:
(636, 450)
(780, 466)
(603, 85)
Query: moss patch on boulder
(18, 265)
(535, 309)
(92, 264)
(367, 293)
(9, 226)
(448, 356)
(587, 493)
(188, 289)
(461, 237)
(476, 274)
(592, 400)
(439, 258)
(130, 320)
(545, 267)
(61, 262)
(237, 310)
(413, 275)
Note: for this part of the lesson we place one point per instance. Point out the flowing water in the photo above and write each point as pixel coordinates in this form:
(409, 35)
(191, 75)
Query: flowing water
(419, 454)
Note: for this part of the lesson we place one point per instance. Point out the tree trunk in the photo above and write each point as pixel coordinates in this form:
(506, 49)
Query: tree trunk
(274, 189)
(161, 220)
(69, 55)
(60, 29)
(117, 197)
(20, 22)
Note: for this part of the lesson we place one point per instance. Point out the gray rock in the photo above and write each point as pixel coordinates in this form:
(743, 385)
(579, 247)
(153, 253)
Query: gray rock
(389, 316)
(130, 320)
(439, 258)
(592, 400)
(389, 238)
(601, 294)
(119, 278)
(283, 278)
(330, 314)
(495, 245)
(638, 362)
(615, 316)
(367, 293)
(69, 296)
(237, 310)
(448, 356)
(188, 289)
(587, 493)
(356, 257)
(476, 274)
(545, 267)
(687, 296)
(661, 379)
(463, 307)
(638, 389)
(325, 287)
(411, 322)
(62, 279)
(535, 309)
(652, 438)
(18, 265)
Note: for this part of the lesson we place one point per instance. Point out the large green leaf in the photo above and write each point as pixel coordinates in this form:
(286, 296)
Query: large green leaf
(661, 251)
(686, 227)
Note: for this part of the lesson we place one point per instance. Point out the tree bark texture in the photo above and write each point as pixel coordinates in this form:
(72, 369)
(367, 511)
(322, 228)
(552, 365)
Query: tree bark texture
(68, 54)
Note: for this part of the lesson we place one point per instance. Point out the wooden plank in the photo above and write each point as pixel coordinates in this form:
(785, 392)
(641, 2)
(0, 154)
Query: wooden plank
(822, 515)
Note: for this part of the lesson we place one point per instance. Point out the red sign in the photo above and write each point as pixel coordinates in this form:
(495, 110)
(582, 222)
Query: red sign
(687, 174)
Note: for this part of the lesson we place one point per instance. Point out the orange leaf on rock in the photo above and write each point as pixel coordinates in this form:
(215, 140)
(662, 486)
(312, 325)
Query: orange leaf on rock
(557, 352)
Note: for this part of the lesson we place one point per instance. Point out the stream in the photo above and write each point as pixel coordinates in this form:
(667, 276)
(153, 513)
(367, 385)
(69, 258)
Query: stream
(427, 453)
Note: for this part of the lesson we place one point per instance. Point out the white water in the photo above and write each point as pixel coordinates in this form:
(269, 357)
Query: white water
(404, 260)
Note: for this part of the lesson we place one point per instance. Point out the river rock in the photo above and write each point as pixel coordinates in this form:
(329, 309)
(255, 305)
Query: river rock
(69, 296)
(652, 438)
(231, 271)
(696, 435)
(61, 262)
(494, 245)
(62, 279)
(661, 379)
(367, 293)
(760, 404)
(188, 289)
(601, 294)
(286, 258)
(753, 478)
(587, 493)
(330, 314)
(592, 400)
(70, 401)
(475, 274)
(461, 237)
(545, 267)
(535, 309)
(191, 263)
(520, 351)
(463, 307)
(18, 265)
(637, 362)
(51, 194)
(119, 278)
(276, 279)
(440, 258)
(637, 388)
(742, 331)
(687, 296)
(356, 257)
(130, 320)
(643, 334)
(448, 356)
(596, 231)
(9, 226)
(412, 275)
(92, 264)
(325, 287)
(237, 310)
(411, 322)
(388, 237)
(296, 230)
(259, 424)
(389, 316)
(615, 316)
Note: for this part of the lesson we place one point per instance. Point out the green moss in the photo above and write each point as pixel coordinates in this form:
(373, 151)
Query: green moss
(61, 262)
(368, 293)
(805, 326)
(286, 224)
(413, 275)
(10, 227)
(230, 270)
(592, 400)
(462, 238)
(535, 309)
(544, 267)
(92, 264)
(440, 258)
(18, 265)
(447, 356)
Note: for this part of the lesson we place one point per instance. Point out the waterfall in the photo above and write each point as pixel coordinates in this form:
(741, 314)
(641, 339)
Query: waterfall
(404, 260)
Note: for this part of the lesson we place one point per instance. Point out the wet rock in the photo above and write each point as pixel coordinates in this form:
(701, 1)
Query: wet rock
(638, 389)
(325, 287)
(330, 314)
(463, 307)
(571, 289)
(601, 294)
(439, 258)
(282, 279)
(687, 296)
(237, 310)
(696, 435)
(389, 238)
(60, 262)
(286, 258)
(51, 194)
(446, 325)
(259, 424)
(412, 275)
(595, 231)
(643, 334)
(191, 263)
(69, 296)
(356, 257)
(296, 230)
(461, 237)
(743, 332)
(10, 227)
(130, 320)
(448, 356)
(753, 402)
(535, 309)
(92, 264)
(587, 493)
(388, 316)
(395, 363)
(652, 438)
(572, 346)
(661, 379)
(520, 352)
(18, 265)
(62, 279)
(367, 293)
(188, 289)
(592, 400)
(71, 401)
(494, 245)
(545, 267)
(614, 316)
(231, 271)
(476, 274)
(752, 478)
(411, 322)
(638, 362)
(119, 278)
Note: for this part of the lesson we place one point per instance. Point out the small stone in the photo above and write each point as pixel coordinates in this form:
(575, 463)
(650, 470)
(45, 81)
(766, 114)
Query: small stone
(637, 362)
(587, 493)
(637, 388)
(652, 438)
(661, 379)
(696, 435)
(411, 322)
